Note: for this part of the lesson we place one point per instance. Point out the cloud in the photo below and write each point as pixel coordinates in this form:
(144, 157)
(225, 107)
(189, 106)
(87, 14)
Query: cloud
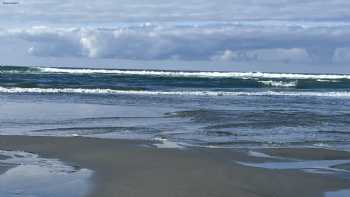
(48, 41)
(264, 55)
(81, 12)
(226, 56)
(251, 41)
(342, 55)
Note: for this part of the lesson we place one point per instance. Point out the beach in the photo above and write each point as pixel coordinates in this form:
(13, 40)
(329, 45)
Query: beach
(137, 168)
(184, 98)
(162, 133)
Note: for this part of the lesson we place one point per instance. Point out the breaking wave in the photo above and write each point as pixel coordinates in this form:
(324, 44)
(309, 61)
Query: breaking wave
(279, 83)
(118, 81)
(197, 74)
(202, 74)
(179, 93)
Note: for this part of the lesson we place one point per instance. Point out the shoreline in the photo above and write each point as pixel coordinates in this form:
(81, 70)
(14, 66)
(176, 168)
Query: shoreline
(5, 167)
(136, 168)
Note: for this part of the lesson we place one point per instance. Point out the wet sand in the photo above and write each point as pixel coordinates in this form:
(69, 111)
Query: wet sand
(307, 153)
(133, 168)
(5, 167)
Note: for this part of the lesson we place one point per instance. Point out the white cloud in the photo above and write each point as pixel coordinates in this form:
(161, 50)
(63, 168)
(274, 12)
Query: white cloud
(253, 41)
(229, 31)
(225, 56)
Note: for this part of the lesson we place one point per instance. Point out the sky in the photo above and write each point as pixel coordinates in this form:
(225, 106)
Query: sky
(243, 35)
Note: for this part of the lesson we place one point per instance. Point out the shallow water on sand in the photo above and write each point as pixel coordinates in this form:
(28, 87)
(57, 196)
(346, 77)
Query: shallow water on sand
(326, 167)
(195, 121)
(341, 193)
(35, 176)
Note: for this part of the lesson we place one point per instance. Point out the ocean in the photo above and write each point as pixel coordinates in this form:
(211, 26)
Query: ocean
(186, 108)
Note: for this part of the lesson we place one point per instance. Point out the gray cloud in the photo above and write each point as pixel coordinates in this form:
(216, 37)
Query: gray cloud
(254, 41)
(115, 11)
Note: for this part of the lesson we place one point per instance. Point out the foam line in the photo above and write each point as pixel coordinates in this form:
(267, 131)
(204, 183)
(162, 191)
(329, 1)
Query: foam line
(180, 93)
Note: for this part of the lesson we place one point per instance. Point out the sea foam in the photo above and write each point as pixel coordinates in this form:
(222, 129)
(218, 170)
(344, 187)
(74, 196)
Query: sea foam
(179, 93)
(197, 74)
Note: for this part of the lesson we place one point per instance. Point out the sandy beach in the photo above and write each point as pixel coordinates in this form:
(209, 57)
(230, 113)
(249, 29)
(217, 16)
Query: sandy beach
(175, 98)
(135, 168)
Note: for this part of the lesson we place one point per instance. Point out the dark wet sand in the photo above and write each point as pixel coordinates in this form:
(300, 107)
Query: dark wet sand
(127, 168)
(5, 167)
(307, 154)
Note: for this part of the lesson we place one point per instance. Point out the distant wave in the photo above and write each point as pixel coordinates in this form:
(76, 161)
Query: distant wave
(279, 83)
(202, 74)
(18, 69)
(197, 74)
(179, 93)
(118, 79)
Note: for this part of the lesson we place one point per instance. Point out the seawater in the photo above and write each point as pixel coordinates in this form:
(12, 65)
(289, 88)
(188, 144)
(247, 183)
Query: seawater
(191, 108)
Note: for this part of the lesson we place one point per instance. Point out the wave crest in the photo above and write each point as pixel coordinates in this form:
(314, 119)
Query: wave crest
(200, 74)
(197, 74)
(271, 83)
(179, 93)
